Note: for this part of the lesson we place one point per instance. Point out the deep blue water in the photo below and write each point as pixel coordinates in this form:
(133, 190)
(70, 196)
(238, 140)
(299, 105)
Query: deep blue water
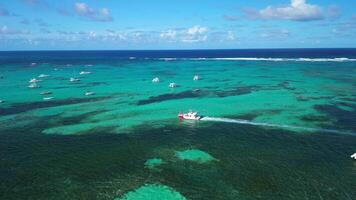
(99, 56)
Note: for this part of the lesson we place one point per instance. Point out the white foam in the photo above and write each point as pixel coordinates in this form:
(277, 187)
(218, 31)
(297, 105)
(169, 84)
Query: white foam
(270, 59)
(240, 121)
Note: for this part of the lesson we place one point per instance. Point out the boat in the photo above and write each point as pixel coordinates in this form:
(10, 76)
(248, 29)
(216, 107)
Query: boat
(33, 85)
(43, 76)
(2, 101)
(74, 79)
(353, 156)
(89, 93)
(47, 98)
(155, 80)
(34, 80)
(190, 116)
(196, 77)
(84, 73)
(45, 93)
(172, 85)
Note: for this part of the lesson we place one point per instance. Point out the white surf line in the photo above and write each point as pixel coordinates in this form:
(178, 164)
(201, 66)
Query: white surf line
(240, 121)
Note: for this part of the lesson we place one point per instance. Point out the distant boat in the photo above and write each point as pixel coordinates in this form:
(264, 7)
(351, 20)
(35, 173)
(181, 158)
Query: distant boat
(43, 76)
(34, 80)
(353, 156)
(2, 101)
(84, 73)
(74, 79)
(172, 85)
(33, 64)
(45, 93)
(48, 98)
(196, 77)
(155, 80)
(89, 93)
(33, 85)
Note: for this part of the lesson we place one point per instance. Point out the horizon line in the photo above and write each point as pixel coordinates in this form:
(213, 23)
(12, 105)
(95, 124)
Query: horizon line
(180, 49)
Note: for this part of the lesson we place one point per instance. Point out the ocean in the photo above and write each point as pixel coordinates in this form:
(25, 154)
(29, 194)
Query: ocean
(278, 124)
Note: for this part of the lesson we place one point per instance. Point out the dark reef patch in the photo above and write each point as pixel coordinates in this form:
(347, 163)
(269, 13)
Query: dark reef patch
(272, 164)
(314, 118)
(172, 96)
(285, 85)
(343, 119)
(24, 107)
(240, 90)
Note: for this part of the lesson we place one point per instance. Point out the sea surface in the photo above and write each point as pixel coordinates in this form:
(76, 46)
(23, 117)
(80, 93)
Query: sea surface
(278, 124)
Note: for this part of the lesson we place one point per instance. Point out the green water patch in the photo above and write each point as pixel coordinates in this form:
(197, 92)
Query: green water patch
(24, 107)
(153, 163)
(153, 192)
(195, 155)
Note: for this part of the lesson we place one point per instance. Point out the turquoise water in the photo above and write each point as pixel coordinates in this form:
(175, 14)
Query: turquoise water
(275, 128)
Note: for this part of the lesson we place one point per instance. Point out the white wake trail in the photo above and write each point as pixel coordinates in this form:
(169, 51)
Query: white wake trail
(240, 121)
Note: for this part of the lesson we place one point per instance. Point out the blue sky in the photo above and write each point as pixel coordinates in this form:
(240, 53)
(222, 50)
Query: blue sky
(176, 24)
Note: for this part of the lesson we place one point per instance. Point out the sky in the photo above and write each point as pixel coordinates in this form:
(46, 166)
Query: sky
(176, 24)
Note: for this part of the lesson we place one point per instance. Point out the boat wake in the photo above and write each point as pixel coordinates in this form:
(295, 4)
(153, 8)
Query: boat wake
(241, 121)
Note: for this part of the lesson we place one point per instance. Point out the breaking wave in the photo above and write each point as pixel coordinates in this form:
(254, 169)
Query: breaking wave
(270, 59)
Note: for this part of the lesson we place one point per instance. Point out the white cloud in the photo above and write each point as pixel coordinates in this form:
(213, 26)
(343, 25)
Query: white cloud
(102, 15)
(5, 30)
(189, 35)
(275, 34)
(195, 30)
(170, 35)
(297, 10)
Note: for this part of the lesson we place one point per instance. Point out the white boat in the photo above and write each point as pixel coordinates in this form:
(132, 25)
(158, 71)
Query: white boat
(48, 98)
(196, 77)
(190, 116)
(43, 76)
(172, 85)
(2, 101)
(74, 79)
(33, 64)
(353, 156)
(45, 93)
(33, 85)
(89, 93)
(84, 73)
(34, 80)
(155, 80)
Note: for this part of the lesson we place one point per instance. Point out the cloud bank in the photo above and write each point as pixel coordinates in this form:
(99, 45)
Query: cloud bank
(101, 15)
(297, 10)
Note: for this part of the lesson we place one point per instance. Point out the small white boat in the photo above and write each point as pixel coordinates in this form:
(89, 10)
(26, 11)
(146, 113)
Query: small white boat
(190, 116)
(43, 76)
(2, 101)
(84, 73)
(34, 80)
(353, 156)
(155, 80)
(172, 85)
(33, 64)
(74, 79)
(47, 98)
(196, 77)
(45, 93)
(89, 93)
(33, 85)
